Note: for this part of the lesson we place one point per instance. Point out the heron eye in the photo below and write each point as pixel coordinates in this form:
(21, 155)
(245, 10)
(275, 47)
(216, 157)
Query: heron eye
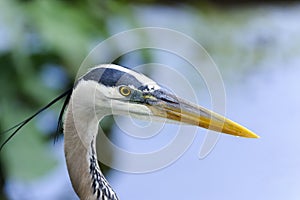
(125, 91)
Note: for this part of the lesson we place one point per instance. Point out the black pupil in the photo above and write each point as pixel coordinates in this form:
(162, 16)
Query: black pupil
(125, 91)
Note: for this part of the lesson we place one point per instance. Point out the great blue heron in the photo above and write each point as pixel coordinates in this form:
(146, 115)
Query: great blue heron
(112, 89)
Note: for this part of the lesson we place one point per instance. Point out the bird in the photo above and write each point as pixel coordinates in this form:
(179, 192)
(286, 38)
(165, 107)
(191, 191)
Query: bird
(110, 89)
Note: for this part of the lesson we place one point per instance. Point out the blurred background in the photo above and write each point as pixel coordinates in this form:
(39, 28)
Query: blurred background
(255, 46)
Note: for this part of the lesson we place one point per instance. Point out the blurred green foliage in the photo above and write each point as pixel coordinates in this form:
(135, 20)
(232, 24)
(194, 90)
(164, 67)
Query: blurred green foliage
(35, 34)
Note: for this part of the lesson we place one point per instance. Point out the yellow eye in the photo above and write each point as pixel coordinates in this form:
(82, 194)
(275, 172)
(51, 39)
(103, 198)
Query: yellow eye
(125, 91)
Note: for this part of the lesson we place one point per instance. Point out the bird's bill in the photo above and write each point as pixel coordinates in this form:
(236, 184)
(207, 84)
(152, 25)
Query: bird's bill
(188, 113)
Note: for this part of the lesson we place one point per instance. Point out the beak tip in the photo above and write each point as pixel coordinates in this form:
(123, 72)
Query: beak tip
(256, 136)
(250, 134)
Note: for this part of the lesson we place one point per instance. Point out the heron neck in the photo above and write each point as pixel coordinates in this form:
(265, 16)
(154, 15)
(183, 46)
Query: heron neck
(80, 130)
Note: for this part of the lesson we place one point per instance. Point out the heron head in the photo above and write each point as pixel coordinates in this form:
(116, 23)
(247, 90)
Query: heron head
(126, 92)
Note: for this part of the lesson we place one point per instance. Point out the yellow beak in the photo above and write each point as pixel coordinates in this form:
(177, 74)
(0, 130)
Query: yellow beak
(170, 107)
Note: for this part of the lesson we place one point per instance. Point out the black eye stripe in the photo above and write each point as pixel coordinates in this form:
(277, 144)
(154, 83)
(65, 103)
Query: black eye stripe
(112, 77)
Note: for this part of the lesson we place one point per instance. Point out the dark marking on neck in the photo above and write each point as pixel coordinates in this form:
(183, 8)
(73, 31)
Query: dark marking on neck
(100, 186)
